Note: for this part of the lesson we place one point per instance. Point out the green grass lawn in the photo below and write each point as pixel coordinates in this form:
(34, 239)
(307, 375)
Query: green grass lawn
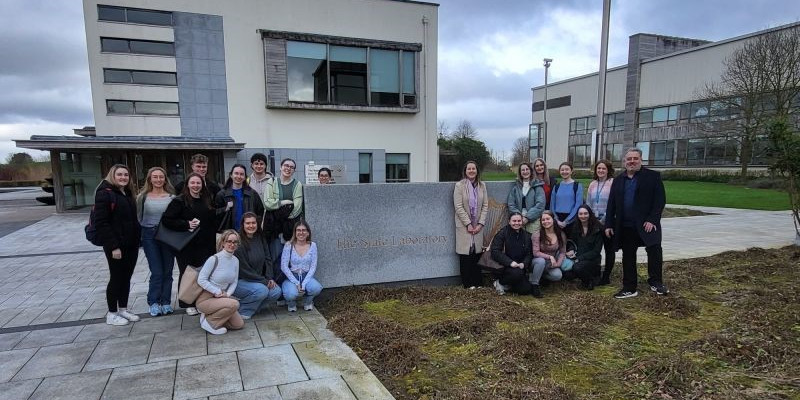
(707, 194)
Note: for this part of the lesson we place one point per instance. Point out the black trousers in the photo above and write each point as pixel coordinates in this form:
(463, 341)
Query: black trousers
(470, 271)
(586, 271)
(655, 259)
(120, 272)
(611, 255)
(515, 277)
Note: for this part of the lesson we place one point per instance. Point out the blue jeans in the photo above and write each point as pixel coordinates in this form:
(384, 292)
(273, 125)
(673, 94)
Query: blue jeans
(313, 288)
(253, 296)
(161, 261)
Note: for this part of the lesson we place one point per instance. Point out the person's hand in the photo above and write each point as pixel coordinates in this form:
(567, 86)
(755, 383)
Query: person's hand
(116, 254)
(477, 229)
(300, 288)
(193, 224)
(221, 294)
(271, 284)
(571, 254)
(648, 227)
(609, 232)
(470, 229)
(524, 220)
(562, 224)
(285, 202)
(229, 206)
(552, 262)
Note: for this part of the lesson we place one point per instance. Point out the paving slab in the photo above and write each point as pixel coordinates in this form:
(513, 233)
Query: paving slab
(160, 324)
(120, 352)
(83, 386)
(151, 382)
(56, 360)
(329, 358)
(276, 365)
(50, 314)
(9, 340)
(25, 317)
(235, 340)
(178, 344)
(11, 362)
(317, 389)
(49, 337)
(283, 331)
(103, 331)
(19, 390)
(206, 376)
(367, 387)
(267, 393)
(318, 326)
(7, 314)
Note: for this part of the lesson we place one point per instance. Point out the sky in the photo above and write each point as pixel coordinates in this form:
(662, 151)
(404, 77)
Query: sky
(490, 56)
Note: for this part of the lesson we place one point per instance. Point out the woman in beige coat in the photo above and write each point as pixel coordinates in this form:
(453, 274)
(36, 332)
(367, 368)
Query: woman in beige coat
(471, 205)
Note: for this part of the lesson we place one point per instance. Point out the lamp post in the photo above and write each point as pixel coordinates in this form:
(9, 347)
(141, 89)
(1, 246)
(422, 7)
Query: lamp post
(547, 62)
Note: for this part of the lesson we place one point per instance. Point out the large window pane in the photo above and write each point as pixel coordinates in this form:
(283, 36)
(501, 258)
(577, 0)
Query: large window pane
(590, 123)
(660, 114)
(715, 151)
(154, 78)
(156, 108)
(580, 125)
(157, 48)
(673, 113)
(108, 13)
(397, 167)
(384, 82)
(150, 17)
(307, 72)
(116, 76)
(348, 75)
(364, 167)
(114, 45)
(119, 107)
(409, 71)
(699, 110)
(645, 118)
(696, 152)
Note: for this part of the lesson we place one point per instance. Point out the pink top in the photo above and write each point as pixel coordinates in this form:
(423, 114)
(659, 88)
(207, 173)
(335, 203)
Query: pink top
(542, 250)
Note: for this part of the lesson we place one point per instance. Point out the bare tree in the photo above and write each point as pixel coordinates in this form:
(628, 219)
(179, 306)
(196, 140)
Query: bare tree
(465, 129)
(760, 81)
(519, 151)
(443, 129)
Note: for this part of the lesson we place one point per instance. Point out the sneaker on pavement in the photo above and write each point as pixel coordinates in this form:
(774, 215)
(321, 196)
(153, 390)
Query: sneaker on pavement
(659, 289)
(192, 311)
(536, 291)
(210, 329)
(292, 308)
(155, 310)
(245, 317)
(127, 315)
(166, 309)
(624, 294)
(308, 307)
(116, 320)
(499, 288)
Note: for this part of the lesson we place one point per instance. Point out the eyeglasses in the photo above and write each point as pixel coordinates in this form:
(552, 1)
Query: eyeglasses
(231, 242)
(288, 166)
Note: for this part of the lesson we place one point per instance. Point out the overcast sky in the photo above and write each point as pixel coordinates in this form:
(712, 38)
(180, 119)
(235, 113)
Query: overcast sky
(490, 55)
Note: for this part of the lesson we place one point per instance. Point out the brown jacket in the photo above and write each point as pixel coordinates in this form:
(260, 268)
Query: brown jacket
(461, 203)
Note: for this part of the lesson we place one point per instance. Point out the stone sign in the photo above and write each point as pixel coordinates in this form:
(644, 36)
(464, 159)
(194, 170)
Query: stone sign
(375, 233)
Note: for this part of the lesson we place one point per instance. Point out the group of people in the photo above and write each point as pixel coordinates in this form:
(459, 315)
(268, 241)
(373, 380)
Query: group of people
(554, 232)
(264, 251)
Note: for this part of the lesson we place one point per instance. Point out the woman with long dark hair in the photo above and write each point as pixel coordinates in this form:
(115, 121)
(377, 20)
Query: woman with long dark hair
(237, 198)
(257, 286)
(587, 234)
(192, 210)
(119, 232)
(549, 251)
(471, 203)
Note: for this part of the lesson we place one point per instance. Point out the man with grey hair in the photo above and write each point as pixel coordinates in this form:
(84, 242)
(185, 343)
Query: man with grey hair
(633, 219)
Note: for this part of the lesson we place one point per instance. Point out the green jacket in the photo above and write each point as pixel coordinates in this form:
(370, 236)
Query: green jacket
(272, 196)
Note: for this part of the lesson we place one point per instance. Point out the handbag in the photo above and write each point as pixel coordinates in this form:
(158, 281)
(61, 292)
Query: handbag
(189, 290)
(488, 263)
(176, 240)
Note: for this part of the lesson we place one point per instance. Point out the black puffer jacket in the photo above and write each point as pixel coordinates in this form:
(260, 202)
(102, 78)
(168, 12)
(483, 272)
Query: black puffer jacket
(115, 218)
(510, 245)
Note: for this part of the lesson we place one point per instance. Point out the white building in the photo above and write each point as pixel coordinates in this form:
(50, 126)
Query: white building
(350, 83)
(654, 103)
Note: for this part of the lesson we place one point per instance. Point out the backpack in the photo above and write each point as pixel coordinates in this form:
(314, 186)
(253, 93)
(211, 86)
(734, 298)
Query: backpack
(91, 228)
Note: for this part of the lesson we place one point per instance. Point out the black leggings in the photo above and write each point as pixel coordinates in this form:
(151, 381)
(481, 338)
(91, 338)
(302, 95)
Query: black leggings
(470, 271)
(119, 283)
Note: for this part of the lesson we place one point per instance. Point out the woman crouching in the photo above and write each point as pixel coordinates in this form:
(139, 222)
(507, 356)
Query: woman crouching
(511, 247)
(220, 273)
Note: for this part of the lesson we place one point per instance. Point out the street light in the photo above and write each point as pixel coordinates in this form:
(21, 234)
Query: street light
(547, 62)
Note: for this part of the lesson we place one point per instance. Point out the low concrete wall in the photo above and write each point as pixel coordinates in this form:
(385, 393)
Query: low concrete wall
(375, 233)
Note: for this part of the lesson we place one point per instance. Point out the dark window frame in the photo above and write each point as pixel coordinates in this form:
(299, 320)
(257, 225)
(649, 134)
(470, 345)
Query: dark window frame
(135, 102)
(131, 51)
(126, 18)
(396, 169)
(132, 80)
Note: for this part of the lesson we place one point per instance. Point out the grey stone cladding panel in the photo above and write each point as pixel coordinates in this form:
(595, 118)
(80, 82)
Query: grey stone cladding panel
(200, 62)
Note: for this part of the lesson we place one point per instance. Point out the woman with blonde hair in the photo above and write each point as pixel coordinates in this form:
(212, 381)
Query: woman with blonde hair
(299, 263)
(118, 230)
(218, 278)
(151, 203)
(471, 204)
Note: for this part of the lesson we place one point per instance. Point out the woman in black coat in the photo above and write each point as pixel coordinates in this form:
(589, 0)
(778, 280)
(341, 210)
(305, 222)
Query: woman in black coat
(587, 234)
(191, 210)
(237, 198)
(119, 232)
(512, 248)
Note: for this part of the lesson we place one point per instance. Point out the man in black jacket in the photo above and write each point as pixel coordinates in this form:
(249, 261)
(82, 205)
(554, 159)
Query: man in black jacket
(633, 219)
(199, 164)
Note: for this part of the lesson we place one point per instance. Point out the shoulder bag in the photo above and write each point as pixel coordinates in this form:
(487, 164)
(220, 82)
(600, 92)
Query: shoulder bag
(488, 263)
(190, 290)
(176, 240)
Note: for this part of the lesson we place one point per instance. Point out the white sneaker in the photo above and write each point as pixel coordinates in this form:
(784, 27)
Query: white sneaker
(499, 288)
(245, 317)
(192, 311)
(292, 308)
(308, 307)
(210, 329)
(127, 315)
(116, 320)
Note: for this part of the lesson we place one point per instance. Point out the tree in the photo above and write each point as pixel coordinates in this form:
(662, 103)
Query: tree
(19, 159)
(455, 152)
(519, 151)
(785, 153)
(760, 80)
(465, 129)
(443, 129)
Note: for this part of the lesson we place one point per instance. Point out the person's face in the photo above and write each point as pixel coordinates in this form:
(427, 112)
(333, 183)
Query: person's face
(525, 172)
(633, 161)
(258, 167)
(238, 175)
(200, 169)
(230, 243)
(583, 215)
(250, 226)
(121, 177)
(515, 222)
(472, 171)
(601, 170)
(301, 233)
(324, 178)
(547, 221)
(195, 185)
(565, 171)
(157, 179)
(287, 169)
(538, 167)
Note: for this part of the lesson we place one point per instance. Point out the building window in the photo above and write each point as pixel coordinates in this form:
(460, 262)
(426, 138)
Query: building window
(134, 15)
(111, 75)
(613, 152)
(129, 107)
(657, 153)
(132, 46)
(614, 122)
(580, 156)
(364, 167)
(397, 168)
